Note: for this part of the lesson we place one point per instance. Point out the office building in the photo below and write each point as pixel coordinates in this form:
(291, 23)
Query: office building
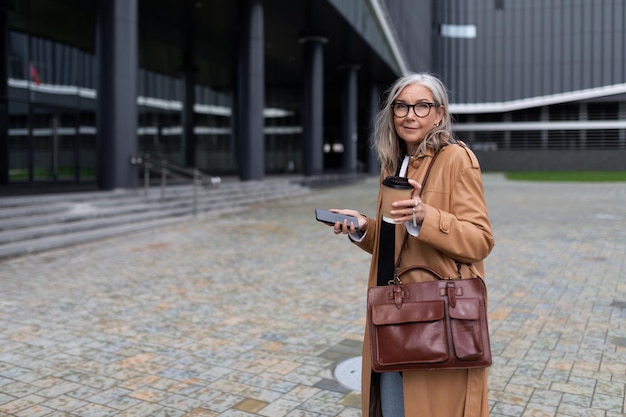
(251, 88)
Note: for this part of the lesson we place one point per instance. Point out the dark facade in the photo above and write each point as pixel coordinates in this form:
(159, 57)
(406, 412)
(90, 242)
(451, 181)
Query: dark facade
(244, 88)
(251, 88)
(536, 84)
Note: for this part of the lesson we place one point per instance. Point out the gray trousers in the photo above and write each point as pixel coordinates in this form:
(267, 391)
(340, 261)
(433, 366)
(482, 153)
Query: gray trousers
(391, 395)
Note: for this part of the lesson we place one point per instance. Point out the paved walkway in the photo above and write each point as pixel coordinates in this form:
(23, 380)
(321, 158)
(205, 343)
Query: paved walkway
(249, 314)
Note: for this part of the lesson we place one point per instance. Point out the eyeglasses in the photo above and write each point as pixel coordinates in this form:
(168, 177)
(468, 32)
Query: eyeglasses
(421, 109)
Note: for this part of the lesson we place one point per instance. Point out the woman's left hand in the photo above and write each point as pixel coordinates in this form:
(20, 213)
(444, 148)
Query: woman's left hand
(410, 210)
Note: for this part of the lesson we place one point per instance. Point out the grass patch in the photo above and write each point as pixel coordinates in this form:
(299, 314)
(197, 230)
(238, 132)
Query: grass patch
(568, 176)
(46, 174)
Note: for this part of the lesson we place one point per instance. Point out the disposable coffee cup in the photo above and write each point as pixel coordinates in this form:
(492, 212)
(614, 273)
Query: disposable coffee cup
(394, 188)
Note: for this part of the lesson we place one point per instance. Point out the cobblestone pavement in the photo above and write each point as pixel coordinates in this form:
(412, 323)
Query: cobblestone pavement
(248, 314)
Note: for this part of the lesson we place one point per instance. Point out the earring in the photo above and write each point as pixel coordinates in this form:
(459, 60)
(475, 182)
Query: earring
(437, 124)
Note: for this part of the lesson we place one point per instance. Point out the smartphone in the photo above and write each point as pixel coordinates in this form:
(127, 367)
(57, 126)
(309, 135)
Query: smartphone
(329, 217)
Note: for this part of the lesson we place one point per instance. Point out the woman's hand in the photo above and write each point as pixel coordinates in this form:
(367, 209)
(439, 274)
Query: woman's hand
(411, 210)
(346, 227)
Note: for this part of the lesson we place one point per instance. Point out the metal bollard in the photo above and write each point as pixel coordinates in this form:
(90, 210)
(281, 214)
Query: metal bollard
(146, 178)
(196, 182)
(163, 178)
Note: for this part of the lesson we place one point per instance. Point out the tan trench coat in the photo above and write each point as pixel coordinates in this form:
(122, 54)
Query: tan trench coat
(456, 227)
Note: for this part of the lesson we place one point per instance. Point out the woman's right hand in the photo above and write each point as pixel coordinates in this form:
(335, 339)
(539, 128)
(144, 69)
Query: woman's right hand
(346, 228)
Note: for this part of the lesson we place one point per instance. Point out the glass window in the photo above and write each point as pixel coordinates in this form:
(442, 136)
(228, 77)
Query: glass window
(564, 112)
(215, 151)
(603, 111)
(283, 131)
(51, 89)
(526, 140)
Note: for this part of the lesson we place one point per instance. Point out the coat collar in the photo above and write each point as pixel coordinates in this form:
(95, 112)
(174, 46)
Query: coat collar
(425, 155)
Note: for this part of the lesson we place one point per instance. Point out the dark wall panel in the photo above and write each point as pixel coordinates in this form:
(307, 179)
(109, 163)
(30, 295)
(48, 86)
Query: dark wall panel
(412, 21)
(563, 160)
(530, 48)
(618, 35)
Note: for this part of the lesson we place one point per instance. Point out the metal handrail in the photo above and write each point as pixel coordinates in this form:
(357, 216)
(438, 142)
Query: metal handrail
(166, 167)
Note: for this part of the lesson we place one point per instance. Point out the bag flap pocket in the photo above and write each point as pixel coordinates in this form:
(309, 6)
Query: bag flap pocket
(466, 309)
(421, 311)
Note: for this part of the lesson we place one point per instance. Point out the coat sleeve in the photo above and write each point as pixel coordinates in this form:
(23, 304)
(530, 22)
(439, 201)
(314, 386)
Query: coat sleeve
(463, 232)
(369, 240)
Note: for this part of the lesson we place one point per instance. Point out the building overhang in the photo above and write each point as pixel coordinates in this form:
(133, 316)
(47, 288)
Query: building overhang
(595, 94)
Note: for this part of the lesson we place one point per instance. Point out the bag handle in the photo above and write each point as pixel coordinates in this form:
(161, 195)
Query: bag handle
(434, 273)
(421, 267)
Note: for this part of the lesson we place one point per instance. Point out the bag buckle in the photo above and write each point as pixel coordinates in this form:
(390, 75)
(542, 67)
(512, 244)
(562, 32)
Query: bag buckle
(396, 278)
(451, 292)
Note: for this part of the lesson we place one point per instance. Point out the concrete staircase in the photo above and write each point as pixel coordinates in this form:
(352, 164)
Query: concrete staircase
(38, 223)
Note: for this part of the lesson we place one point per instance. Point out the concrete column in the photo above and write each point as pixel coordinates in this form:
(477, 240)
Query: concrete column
(251, 92)
(313, 106)
(188, 145)
(117, 93)
(471, 135)
(349, 127)
(373, 165)
(508, 118)
(622, 132)
(582, 115)
(4, 105)
(545, 117)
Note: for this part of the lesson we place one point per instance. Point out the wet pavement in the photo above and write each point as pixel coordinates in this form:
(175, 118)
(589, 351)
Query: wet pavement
(250, 314)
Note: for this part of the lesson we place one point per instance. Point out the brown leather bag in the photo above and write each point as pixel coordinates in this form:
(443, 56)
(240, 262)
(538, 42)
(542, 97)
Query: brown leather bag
(440, 324)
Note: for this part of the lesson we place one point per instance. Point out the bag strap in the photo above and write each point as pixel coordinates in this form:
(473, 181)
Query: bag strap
(398, 272)
(430, 167)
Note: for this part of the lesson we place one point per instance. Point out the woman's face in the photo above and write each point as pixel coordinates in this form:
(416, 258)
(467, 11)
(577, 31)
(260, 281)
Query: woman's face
(410, 128)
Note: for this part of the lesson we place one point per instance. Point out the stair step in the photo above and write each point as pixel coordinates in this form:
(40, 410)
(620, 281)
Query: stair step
(67, 239)
(31, 224)
(38, 223)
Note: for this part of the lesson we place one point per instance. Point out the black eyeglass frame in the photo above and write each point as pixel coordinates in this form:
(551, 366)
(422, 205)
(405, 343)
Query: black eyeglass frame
(408, 106)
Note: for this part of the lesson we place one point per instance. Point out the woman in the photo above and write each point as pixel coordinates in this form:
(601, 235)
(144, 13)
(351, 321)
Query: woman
(447, 227)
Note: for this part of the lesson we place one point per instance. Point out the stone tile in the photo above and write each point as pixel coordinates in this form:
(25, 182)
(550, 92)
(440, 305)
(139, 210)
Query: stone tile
(34, 411)
(94, 410)
(261, 394)
(222, 402)
(352, 399)
(610, 388)
(250, 405)
(318, 405)
(547, 398)
(278, 408)
(572, 389)
(579, 401)
(539, 410)
(608, 402)
(149, 395)
(181, 402)
(64, 403)
(200, 412)
(302, 413)
(141, 409)
(20, 404)
(109, 395)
